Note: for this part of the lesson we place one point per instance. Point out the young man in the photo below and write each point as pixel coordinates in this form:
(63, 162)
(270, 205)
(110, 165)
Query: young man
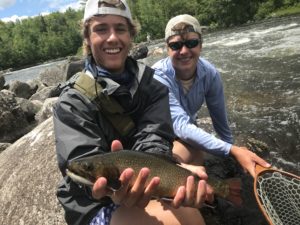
(192, 81)
(84, 127)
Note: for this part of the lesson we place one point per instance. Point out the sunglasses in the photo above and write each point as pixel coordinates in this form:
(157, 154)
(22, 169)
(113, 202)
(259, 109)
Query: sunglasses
(108, 3)
(176, 45)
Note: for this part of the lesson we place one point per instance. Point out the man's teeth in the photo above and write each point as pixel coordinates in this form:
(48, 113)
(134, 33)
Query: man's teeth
(184, 59)
(113, 51)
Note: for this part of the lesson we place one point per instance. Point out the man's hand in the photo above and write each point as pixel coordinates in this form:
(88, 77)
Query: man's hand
(130, 194)
(193, 195)
(247, 159)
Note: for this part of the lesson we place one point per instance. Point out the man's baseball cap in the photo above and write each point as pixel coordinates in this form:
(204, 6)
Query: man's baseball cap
(107, 7)
(185, 18)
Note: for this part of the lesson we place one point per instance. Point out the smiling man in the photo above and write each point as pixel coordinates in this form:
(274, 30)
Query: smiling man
(116, 103)
(192, 80)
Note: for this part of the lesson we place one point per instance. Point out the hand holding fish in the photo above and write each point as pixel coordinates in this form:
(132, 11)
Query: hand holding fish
(130, 194)
(247, 159)
(140, 196)
(133, 178)
(137, 195)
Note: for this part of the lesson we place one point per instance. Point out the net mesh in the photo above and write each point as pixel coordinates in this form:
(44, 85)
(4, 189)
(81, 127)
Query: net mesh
(280, 196)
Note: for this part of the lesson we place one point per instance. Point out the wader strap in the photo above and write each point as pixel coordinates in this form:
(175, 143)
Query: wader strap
(110, 108)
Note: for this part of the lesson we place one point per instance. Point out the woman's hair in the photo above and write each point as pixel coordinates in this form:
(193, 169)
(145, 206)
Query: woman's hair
(86, 33)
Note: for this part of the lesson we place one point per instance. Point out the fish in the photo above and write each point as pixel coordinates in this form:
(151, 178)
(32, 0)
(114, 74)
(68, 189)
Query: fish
(110, 165)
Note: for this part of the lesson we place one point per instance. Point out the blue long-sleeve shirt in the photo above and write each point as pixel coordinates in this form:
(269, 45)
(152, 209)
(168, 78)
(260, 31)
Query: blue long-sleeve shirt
(207, 87)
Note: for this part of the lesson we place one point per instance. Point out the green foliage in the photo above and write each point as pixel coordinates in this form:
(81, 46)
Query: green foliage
(57, 35)
(38, 39)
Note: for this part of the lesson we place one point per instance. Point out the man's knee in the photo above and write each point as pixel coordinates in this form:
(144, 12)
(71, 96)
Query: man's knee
(187, 154)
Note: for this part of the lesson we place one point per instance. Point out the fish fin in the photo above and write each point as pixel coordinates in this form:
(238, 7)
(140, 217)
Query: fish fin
(113, 184)
(166, 199)
(234, 191)
(78, 179)
(112, 175)
(168, 158)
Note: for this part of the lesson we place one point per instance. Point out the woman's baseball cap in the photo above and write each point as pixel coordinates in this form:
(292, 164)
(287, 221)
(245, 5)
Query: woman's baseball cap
(107, 7)
(185, 18)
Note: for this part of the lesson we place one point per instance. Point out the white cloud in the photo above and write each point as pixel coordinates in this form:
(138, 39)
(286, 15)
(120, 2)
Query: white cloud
(56, 5)
(74, 5)
(6, 3)
(13, 18)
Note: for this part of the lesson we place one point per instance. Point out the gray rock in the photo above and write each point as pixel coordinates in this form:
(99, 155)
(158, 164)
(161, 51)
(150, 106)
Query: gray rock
(30, 108)
(29, 176)
(4, 146)
(46, 110)
(13, 121)
(21, 89)
(43, 94)
(2, 81)
(52, 76)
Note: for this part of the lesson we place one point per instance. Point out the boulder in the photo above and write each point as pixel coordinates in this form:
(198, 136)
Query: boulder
(43, 93)
(2, 81)
(73, 67)
(139, 52)
(30, 108)
(46, 110)
(29, 176)
(21, 89)
(4, 146)
(52, 76)
(13, 121)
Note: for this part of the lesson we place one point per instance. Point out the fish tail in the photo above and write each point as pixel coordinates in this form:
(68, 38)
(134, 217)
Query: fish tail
(234, 191)
(229, 189)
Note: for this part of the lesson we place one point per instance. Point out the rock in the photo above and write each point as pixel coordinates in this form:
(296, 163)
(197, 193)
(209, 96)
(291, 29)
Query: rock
(52, 76)
(73, 67)
(29, 175)
(2, 81)
(46, 110)
(21, 89)
(43, 94)
(30, 108)
(139, 52)
(4, 146)
(36, 85)
(13, 121)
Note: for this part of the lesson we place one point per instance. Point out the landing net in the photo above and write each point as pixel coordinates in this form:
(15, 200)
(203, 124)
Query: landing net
(279, 194)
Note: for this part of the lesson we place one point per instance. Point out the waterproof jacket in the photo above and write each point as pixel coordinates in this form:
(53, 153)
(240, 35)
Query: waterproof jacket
(81, 130)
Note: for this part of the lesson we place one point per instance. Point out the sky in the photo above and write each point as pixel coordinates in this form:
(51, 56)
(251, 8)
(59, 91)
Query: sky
(10, 10)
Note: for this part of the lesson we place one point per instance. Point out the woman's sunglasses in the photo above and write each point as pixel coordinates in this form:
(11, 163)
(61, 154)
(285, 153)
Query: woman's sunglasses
(176, 45)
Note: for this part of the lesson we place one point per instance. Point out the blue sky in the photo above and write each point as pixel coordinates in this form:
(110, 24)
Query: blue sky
(13, 9)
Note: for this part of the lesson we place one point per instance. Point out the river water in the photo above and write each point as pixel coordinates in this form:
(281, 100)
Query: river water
(260, 68)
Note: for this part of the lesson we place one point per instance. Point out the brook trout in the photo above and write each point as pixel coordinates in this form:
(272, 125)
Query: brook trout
(111, 165)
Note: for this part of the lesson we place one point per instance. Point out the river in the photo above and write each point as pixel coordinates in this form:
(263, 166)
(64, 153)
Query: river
(260, 68)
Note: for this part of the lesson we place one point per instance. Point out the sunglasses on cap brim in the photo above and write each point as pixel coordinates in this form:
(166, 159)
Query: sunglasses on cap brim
(176, 45)
(116, 3)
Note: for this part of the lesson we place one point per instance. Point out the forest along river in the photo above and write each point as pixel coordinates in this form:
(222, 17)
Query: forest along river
(260, 68)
